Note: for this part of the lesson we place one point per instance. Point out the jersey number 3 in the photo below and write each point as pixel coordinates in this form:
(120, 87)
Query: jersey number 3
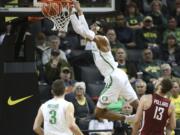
(158, 114)
(52, 119)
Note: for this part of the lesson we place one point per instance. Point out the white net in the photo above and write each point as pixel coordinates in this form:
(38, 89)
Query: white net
(61, 21)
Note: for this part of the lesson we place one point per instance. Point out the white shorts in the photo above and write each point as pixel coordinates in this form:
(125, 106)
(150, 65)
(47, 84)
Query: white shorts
(117, 85)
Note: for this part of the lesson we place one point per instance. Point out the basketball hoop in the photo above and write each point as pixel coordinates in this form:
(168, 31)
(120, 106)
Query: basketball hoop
(58, 11)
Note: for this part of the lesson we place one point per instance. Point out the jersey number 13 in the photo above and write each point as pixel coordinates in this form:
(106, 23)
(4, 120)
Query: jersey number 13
(158, 114)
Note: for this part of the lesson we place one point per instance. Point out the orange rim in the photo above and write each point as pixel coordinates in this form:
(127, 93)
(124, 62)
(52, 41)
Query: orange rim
(63, 2)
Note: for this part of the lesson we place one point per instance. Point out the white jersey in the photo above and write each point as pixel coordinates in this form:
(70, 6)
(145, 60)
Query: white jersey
(116, 80)
(104, 60)
(54, 117)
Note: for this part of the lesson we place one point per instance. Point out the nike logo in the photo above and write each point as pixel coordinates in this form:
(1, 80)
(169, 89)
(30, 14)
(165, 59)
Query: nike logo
(12, 102)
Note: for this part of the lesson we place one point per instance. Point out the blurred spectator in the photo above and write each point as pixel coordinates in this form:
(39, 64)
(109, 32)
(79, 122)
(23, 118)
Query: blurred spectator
(5, 30)
(133, 16)
(85, 104)
(172, 28)
(66, 75)
(69, 42)
(53, 67)
(41, 47)
(150, 68)
(114, 42)
(54, 43)
(121, 106)
(140, 87)
(84, 107)
(121, 5)
(127, 109)
(64, 45)
(2, 35)
(41, 41)
(156, 13)
(177, 12)
(148, 36)
(146, 6)
(171, 6)
(170, 51)
(124, 34)
(137, 2)
(175, 99)
(124, 64)
(166, 71)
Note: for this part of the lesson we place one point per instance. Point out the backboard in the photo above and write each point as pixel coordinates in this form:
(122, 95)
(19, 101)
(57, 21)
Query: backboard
(33, 7)
(20, 8)
(97, 5)
(91, 5)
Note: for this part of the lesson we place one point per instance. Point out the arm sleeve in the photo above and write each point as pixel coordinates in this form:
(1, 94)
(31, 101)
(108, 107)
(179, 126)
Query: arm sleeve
(81, 27)
(83, 21)
(76, 24)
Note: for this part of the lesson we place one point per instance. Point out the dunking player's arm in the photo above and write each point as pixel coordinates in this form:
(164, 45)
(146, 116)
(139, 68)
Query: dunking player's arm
(71, 120)
(81, 27)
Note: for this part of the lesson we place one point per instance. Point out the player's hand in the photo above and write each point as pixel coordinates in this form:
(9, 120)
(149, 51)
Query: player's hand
(77, 5)
(71, 10)
(129, 119)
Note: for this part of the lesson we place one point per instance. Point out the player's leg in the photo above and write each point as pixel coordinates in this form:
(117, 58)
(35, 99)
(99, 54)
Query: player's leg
(107, 114)
(108, 95)
(127, 90)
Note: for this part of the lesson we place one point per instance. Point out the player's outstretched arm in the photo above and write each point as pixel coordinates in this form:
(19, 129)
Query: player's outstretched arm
(80, 29)
(80, 25)
(76, 24)
(82, 19)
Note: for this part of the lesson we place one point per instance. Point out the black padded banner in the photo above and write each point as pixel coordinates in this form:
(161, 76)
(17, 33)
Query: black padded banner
(19, 103)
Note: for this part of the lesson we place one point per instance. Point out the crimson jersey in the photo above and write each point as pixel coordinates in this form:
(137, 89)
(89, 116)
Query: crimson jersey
(154, 118)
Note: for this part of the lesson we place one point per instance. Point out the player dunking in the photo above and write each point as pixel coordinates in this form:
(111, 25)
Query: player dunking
(57, 114)
(117, 83)
(153, 112)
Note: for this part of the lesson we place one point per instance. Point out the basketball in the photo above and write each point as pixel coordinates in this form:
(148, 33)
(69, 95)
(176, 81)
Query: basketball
(51, 9)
